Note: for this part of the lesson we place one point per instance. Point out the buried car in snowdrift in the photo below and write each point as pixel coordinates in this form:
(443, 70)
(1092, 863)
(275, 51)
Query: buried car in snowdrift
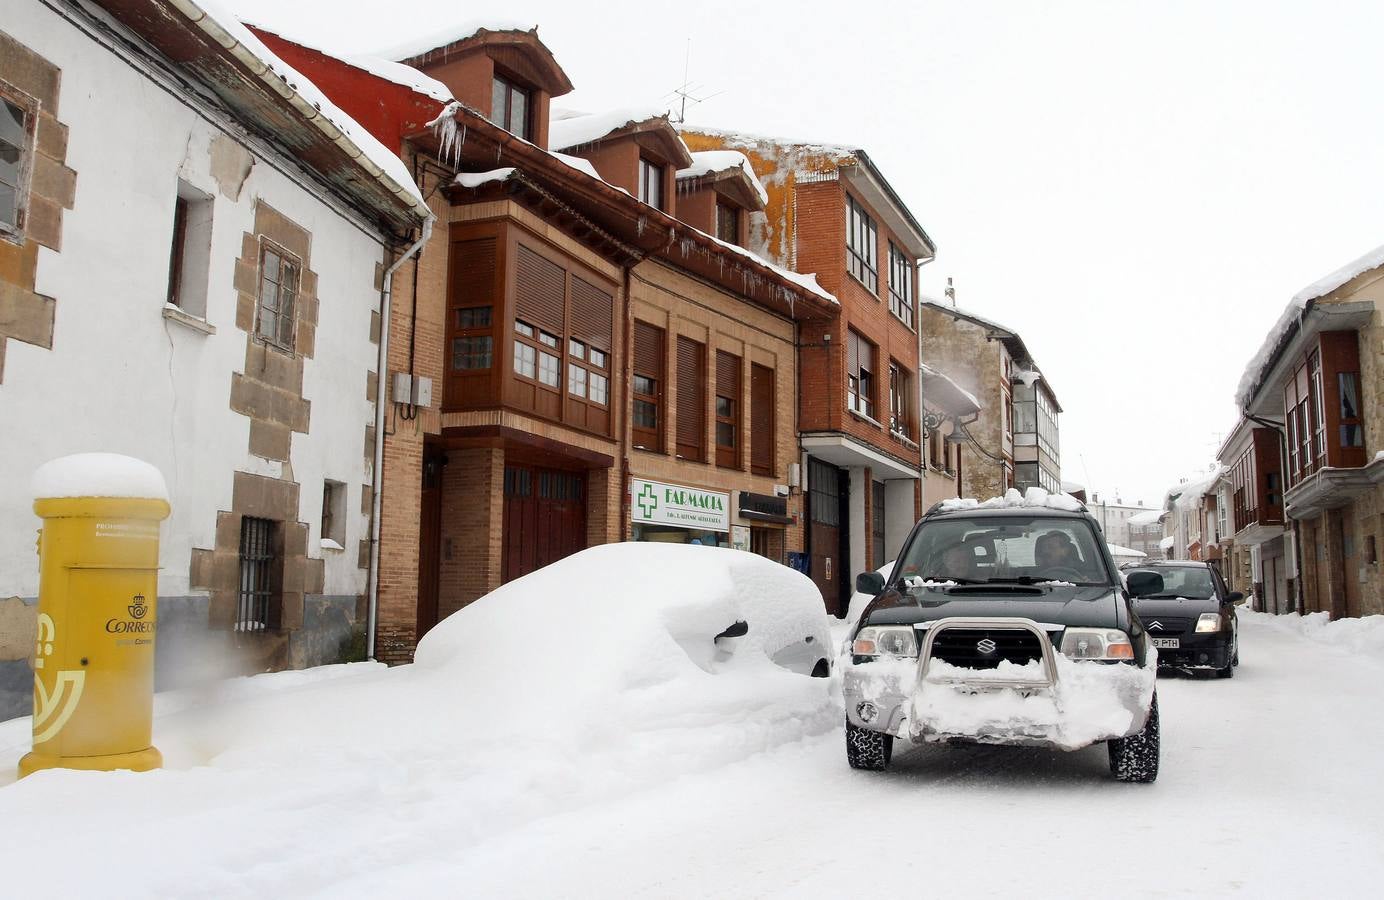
(1003, 622)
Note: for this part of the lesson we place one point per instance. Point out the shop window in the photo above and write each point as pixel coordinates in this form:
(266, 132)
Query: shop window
(691, 428)
(767, 542)
(727, 410)
(647, 386)
(860, 379)
(278, 296)
(861, 245)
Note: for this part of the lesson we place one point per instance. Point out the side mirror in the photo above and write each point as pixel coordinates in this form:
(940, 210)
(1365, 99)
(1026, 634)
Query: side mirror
(1235, 597)
(871, 583)
(1143, 584)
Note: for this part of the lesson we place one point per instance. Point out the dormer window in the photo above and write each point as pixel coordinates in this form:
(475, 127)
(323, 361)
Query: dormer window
(728, 223)
(509, 107)
(650, 182)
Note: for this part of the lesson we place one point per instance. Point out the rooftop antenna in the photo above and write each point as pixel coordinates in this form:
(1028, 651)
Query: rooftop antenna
(686, 91)
(951, 292)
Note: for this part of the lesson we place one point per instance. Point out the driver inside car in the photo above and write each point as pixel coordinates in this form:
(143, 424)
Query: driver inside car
(1055, 552)
(958, 563)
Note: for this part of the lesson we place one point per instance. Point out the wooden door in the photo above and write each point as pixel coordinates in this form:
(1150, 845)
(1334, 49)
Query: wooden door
(826, 532)
(430, 540)
(544, 517)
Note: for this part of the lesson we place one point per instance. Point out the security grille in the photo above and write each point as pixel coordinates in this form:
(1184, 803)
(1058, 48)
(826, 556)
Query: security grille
(256, 574)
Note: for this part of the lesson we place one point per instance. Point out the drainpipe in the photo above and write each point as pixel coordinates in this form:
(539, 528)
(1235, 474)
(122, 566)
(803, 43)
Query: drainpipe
(382, 376)
(918, 325)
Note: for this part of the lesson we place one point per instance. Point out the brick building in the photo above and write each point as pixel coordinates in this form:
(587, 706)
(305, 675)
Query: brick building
(1013, 442)
(1313, 396)
(603, 368)
(830, 211)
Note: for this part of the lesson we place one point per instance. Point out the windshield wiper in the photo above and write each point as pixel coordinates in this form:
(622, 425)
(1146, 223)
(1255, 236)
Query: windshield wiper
(1169, 597)
(1015, 579)
(942, 579)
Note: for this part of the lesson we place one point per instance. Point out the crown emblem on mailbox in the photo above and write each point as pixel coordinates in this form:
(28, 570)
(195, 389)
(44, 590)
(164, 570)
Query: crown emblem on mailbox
(138, 607)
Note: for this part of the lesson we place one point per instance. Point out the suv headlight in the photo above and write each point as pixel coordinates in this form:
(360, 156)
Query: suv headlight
(885, 640)
(1096, 643)
(1208, 622)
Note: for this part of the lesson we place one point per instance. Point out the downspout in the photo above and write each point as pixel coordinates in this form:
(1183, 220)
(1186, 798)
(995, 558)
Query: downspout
(626, 435)
(382, 376)
(918, 325)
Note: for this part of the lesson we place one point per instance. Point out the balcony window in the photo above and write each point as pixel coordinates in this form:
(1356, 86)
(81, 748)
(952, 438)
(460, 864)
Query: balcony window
(860, 378)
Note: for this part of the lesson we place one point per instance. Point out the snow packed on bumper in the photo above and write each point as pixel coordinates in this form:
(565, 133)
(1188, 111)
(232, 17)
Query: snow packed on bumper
(1089, 702)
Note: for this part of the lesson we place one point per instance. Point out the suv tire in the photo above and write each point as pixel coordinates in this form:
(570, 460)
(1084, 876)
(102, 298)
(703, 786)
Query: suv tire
(868, 750)
(1135, 758)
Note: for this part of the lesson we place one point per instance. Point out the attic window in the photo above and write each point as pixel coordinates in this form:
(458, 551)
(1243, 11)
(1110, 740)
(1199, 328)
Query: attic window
(509, 107)
(651, 183)
(728, 223)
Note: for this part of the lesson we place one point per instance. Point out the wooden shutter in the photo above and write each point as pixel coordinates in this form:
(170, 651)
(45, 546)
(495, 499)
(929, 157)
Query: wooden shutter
(539, 290)
(592, 316)
(648, 352)
(728, 375)
(691, 399)
(762, 441)
(473, 273)
(852, 353)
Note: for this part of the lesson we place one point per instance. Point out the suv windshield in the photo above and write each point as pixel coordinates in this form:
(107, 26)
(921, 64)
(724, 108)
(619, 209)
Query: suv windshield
(1026, 550)
(1188, 582)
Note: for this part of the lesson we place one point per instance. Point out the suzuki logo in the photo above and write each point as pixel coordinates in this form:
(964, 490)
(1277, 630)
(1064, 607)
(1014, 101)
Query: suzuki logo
(986, 646)
(1155, 624)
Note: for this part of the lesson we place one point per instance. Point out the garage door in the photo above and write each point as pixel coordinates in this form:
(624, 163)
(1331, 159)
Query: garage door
(545, 517)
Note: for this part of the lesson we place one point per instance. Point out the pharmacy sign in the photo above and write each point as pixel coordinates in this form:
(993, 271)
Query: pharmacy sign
(657, 503)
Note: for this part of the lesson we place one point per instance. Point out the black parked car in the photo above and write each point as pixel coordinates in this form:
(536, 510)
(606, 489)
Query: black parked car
(1189, 613)
(1002, 623)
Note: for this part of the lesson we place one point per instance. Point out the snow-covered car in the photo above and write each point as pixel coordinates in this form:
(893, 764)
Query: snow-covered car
(1189, 613)
(1004, 622)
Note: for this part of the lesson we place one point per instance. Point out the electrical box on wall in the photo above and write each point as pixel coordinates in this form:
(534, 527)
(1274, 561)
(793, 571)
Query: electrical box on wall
(414, 390)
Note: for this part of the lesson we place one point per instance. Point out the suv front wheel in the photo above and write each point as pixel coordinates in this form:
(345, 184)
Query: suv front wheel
(1135, 758)
(869, 750)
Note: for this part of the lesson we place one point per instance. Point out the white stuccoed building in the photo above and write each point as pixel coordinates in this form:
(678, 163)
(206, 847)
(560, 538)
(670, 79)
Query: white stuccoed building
(191, 262)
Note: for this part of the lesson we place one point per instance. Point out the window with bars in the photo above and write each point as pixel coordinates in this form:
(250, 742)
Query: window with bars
(259, 574)
(861, 245)
(278, 295)
(860, 378)
(727, 223)
(651, 182)
(18, 117)
(510, 107)
(900, 285)
(647, 386)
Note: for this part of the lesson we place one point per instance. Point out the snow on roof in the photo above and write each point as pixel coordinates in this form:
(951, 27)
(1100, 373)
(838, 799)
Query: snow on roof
(965, 313)
(387, 160)
(97, 475)
(476, 179)
(1117, 550)
(1070, 487)
(1190, 494)
(1166, 543)
(806, 281)
(971, 398)
(574, 129)
(380, 67)
(1034, 497)
(576, 162)
(442, 37)
(1148, 517)
(1292, 314)
(748, 139)
(707, 162)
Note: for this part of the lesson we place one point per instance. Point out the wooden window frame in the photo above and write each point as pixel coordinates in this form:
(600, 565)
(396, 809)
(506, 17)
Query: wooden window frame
(763, 420)
(646, 438)
(175, 264)
(728, 222)
(901, 302)
(729, 387)
(277, 340)
(651, 177)
(862, 246)
(29, 108)
(504, 119)
(691, 409)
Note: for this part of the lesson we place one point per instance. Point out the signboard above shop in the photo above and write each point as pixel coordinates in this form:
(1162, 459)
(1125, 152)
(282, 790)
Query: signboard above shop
(656, 503)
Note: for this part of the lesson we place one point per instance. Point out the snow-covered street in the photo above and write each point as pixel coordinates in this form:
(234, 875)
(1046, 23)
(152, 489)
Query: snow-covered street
(1267, 789)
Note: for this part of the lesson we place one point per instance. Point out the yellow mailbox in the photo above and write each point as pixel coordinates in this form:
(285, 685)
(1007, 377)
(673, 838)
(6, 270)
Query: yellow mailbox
(97, 613)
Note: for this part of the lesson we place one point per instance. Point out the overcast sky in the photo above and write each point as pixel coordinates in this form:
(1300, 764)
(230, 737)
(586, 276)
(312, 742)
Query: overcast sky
(1136, 188)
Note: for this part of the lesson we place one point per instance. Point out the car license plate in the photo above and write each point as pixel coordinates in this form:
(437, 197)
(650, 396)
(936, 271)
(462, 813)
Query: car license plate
(1167, 643)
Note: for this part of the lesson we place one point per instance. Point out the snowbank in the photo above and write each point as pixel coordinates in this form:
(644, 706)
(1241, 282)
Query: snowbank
(1034, 497)
(97, 475)
(1363, 636)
